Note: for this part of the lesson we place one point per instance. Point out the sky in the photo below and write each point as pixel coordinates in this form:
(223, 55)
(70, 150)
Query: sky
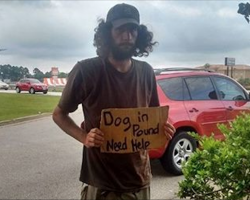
(46, 33)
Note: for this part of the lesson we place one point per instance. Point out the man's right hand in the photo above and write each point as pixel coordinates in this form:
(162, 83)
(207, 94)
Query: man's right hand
(94, 138)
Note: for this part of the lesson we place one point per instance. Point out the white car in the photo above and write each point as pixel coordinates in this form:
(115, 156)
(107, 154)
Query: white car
(4, 85)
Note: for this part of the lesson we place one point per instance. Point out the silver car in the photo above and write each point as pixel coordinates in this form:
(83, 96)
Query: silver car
(3, 85)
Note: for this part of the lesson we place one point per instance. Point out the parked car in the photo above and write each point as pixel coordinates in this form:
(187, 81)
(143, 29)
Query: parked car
(198, 100)
(32, 85)
(4, 85)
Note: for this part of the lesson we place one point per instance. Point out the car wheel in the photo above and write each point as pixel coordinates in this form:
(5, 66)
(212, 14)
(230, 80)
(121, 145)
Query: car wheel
(179, 149)
(45, 92)
(18, 90)
(32, 91)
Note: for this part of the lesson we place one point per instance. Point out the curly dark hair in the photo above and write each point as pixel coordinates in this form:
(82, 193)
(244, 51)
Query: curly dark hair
(102, 40)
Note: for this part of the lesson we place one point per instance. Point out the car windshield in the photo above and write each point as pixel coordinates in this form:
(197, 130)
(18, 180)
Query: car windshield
(35, 81)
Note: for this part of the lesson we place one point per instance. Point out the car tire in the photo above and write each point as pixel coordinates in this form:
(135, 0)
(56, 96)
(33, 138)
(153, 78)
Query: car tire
(18, 90)
(45, 92)
(32, 91)
(179, 149)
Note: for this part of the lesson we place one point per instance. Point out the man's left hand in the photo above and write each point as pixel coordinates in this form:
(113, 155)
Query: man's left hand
(169, 130)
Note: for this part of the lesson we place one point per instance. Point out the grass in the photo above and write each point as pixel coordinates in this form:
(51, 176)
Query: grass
(14, 106)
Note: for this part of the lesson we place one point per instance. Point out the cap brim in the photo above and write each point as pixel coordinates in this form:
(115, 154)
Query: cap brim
(119, 22)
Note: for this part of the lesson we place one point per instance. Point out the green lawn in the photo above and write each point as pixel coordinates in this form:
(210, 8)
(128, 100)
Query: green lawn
(19, 105)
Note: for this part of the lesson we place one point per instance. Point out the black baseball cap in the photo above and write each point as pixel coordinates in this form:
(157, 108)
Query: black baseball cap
(122, 14)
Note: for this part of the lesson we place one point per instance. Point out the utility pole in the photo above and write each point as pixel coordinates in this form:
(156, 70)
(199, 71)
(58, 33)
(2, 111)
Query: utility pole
(229, 62)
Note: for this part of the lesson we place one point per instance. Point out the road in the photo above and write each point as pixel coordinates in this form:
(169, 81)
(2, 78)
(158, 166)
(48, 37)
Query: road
(37, 93)
(39, 161)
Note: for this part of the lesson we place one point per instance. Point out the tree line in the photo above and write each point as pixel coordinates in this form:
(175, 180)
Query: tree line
(15, 73)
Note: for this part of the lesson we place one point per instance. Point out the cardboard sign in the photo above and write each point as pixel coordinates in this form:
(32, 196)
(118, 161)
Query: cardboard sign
(133, 129)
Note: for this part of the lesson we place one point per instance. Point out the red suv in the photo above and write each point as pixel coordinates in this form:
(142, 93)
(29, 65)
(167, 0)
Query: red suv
(198, 100)
(32, 85)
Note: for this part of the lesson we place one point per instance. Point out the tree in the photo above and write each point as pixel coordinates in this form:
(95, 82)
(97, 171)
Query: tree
(13, 72)
(62, 75)
(244, 81)
(38, 74)
(220, 170)
(47, 75)
(244, 9)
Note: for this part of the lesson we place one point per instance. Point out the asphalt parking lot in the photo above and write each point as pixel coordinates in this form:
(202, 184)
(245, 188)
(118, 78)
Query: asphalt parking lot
(39, 161)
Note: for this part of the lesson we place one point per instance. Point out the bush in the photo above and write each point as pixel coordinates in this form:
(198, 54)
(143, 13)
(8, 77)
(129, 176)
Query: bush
(220, 170)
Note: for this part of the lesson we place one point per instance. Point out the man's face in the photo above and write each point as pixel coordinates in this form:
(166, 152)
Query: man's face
(123, 44)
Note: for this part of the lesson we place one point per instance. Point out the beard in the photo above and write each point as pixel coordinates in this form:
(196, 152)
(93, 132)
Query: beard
(123, 51)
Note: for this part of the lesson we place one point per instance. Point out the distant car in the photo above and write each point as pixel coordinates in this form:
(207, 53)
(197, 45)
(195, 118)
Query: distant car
(4, 85)
(31, 85)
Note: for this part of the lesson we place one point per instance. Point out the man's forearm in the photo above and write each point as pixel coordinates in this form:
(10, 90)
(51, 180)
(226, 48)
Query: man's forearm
(65, 122)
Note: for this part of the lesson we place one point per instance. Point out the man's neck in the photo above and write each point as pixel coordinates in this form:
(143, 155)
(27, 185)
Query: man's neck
(121, 66)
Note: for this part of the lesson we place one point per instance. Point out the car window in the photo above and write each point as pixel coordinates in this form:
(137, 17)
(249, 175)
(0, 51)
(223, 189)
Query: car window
(174, 88)
(201, 88)
(228, 90)
(34, 81)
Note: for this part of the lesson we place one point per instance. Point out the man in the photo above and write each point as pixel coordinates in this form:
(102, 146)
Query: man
(111, 80)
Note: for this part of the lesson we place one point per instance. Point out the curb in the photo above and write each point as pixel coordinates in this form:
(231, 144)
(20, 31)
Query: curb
(23, 119)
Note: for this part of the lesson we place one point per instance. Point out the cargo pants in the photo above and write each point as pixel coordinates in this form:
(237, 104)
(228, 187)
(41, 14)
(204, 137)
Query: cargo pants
(92, 193)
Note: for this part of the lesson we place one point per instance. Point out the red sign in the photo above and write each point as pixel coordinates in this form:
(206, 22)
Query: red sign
(54, 71)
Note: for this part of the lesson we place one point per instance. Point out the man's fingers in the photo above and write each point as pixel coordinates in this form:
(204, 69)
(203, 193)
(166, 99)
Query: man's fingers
(97, 135)
(94, 138)
(169, 130)
(97, 131)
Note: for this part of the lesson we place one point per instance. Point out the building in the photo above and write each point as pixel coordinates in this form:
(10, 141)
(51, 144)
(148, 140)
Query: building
(237, 71)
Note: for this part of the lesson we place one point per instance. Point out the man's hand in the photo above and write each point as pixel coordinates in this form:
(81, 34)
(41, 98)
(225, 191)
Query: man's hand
(94, 138)
(169, 130)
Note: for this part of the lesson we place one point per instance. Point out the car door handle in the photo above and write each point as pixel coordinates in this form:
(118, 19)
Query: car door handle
(230, 108)
(193, 110)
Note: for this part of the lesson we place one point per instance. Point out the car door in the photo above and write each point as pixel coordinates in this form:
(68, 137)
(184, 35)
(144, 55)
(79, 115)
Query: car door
(26, 84)
(233, 96)
(21, 84)
(172, 92)
(204, 106)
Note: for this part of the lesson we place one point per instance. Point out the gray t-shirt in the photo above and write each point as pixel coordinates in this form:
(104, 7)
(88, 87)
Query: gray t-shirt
(97, 85)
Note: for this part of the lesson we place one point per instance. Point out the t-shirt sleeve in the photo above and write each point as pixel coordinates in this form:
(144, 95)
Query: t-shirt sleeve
(73, 93)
